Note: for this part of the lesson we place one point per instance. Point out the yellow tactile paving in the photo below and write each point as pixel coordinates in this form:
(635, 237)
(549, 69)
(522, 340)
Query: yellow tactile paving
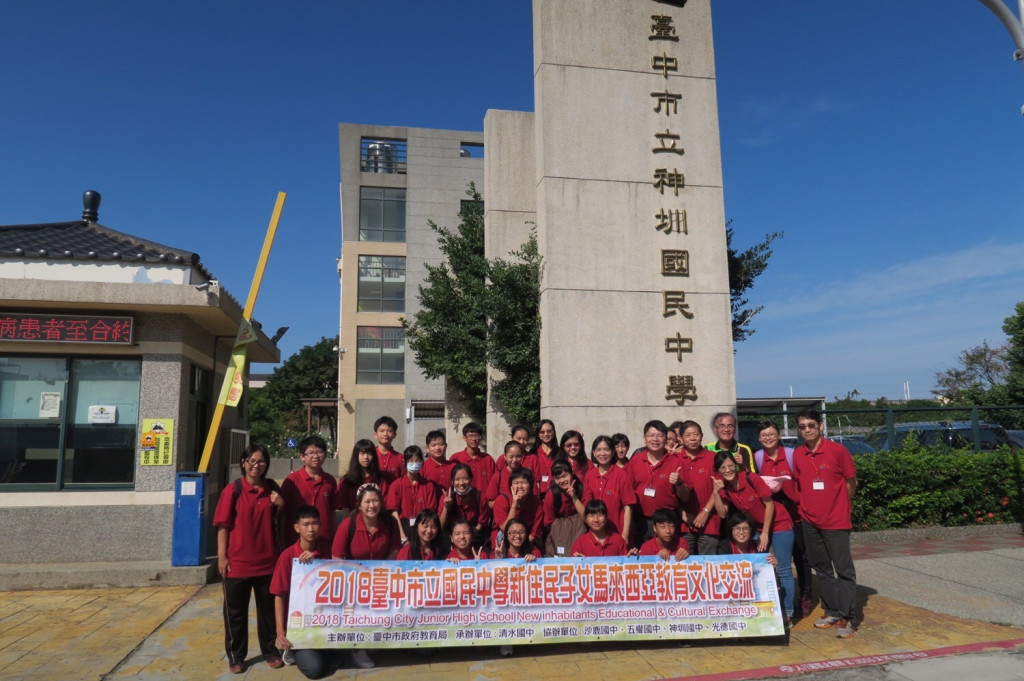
(85, 634)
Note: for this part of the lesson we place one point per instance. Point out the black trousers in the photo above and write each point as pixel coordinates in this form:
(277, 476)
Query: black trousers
(236, 616)
(800, 560)
(829, 553)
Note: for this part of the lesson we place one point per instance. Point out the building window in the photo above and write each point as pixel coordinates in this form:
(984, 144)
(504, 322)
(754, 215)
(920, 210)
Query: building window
(470, 207)
(68, 422)
(381, 355)
(381, 284)
(382, 155)
(381, 214)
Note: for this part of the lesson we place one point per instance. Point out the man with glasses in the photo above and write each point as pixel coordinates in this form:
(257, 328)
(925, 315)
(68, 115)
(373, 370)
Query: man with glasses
(826, 479)
(724, 425)
(312, 486)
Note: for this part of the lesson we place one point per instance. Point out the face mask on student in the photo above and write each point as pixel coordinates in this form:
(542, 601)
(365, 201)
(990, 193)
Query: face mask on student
(414, 466)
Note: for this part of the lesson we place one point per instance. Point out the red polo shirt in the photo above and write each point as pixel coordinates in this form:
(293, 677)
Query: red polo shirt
(699, 473)
(499, 483)
(405, 553)
(750, 496)
(529, 512)
(281, 584)
(542, 469)
(614, 488)
(590, 547)
(409, 497)
(651, 547)
(581, 468)
(483, 467)
(454, 553)
(778, 467)
(392, 464)
(565, 509)
(365, 546)
(471, 508)
(301, 489)
(829, 467)
(653, 476)
(438, 472)
(251, 546)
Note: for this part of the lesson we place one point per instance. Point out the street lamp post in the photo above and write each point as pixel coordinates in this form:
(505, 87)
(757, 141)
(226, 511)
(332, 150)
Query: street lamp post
(1012, 23)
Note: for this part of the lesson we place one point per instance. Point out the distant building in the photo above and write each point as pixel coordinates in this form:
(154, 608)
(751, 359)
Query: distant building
(112, 352)
(393, 181)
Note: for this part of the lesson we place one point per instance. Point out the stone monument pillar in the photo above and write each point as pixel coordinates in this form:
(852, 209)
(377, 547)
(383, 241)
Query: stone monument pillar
(630, 216)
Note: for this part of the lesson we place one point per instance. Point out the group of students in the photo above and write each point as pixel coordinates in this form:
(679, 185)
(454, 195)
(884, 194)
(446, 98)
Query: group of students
(670, 498)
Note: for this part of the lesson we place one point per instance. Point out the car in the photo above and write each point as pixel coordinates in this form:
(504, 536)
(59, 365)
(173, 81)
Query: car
(955, 434)
(1017, 437)
(854, 444)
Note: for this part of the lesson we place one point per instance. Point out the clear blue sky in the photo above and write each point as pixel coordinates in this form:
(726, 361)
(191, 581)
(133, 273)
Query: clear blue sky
(884, 138)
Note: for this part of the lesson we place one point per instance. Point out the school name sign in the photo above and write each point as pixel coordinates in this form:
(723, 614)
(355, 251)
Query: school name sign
(347, 604)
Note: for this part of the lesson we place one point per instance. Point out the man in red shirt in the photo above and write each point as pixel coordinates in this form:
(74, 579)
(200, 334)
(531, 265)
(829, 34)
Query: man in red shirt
(701, 525)
(656, 476)
(480, 462)
(438, 469)
(310, 485)
(598, 542)
(392, 467)
(826, 479)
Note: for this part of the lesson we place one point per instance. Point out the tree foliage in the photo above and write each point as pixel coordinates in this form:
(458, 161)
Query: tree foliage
(978, 370)
(276, 412)
(449, 333)
(476, 311)
(744, 268)
(514, 331)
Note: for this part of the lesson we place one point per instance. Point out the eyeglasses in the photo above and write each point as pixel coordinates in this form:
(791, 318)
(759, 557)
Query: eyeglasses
(807, 426)
(727, 469)
(314, 452)
(741, 529)
(516, 533)
(726, 426)
(257, 462)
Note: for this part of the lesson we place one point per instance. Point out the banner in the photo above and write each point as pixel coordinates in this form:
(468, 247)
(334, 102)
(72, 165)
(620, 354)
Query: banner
(375, 604)
(231, 389)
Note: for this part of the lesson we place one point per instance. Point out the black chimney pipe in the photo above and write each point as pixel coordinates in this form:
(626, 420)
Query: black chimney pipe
(91, 206)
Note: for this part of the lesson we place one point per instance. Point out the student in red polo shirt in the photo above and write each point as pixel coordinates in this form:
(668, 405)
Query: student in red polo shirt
(425, 539)
(610, 484)
(363, 467)
(411, 494)
(563, 510)
(246, 556)
(547, 453)
(369, 533)
(826, 479)
(437, 468)
(461, 539)
(598, 542)
(514, 456)
(481, 462)
(701, 525)
(314, 664)
(656, 476)
(666, 542)
(390, 459)
(465, 502)
(572, 445)
(521, 434)
(621, 443)
(310, 485)
(519, 503)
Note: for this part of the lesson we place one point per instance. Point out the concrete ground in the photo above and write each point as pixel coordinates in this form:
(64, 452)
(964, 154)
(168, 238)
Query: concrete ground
(945, 608)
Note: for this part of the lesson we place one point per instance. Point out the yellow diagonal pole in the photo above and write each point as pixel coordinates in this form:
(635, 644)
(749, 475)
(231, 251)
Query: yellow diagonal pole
(236, 367)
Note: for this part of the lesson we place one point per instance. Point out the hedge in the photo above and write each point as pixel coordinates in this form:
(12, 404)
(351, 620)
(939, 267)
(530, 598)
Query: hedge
(921, 486)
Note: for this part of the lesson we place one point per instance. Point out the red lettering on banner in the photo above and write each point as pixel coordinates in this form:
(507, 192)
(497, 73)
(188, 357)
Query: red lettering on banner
(432, 584)
(467, 594)
(698, 587)
(397, 587)
(362, 589)
(380, 587)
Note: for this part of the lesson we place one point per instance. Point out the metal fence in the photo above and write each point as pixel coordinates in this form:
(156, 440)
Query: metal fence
(981, 428)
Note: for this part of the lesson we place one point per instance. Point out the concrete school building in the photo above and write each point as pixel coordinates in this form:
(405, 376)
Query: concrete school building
(619, 170)
(112, 353)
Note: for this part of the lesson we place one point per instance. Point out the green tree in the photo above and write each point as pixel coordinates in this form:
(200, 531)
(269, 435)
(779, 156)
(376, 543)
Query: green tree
(978, 370)
(744, 269)
(276, 412)
(449, 333)
(514, 331)
(1013, 327)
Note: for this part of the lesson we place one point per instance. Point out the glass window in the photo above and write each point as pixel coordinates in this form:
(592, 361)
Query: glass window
(382, 214)
(33, 391)
(381, 284)
(381, 355)
(382, 155)
(102, 416)
(66, 422)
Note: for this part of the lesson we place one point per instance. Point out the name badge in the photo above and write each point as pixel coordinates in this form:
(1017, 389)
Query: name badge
(649, 492)
(412, 521)
(560, 550)
(544, 478)
(818, 485)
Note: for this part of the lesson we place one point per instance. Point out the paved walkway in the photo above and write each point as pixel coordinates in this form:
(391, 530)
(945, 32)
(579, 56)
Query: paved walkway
(925, 601)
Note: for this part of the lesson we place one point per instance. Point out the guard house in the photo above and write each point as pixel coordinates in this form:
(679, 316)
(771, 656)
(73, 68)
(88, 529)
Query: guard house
(112, 352)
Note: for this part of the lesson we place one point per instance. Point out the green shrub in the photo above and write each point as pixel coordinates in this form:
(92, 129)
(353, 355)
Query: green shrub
(921, 486)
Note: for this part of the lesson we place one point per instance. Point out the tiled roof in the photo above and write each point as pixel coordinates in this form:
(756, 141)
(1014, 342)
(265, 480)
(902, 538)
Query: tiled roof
(82, 240)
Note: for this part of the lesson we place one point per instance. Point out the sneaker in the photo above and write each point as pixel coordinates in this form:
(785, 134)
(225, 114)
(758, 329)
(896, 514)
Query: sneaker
(827, 622)
(237, 668)
(287, 657)
(806, 605)
(506, 651)
(273, 661)
(846, 629)
(362, 659)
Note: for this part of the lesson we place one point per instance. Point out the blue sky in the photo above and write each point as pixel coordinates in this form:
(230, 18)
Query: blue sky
(884, 138)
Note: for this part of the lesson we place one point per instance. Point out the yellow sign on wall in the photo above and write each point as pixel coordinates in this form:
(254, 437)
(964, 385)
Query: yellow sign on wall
(156, 446)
